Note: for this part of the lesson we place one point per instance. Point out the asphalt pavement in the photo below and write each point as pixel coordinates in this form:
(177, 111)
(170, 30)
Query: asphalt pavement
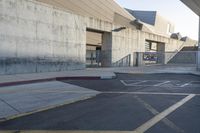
(151, 103)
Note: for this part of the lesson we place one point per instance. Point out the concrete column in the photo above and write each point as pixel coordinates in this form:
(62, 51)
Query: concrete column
(107, 50)
(198, 54)
(161, 53)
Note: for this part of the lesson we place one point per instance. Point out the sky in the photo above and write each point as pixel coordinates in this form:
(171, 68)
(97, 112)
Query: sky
(186, 21)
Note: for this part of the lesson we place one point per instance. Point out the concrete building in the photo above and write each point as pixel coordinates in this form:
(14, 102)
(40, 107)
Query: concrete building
(154, 21)
(45, 36)
(194, 5)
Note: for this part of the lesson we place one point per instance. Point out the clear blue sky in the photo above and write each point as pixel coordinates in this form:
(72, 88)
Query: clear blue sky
(186, 22)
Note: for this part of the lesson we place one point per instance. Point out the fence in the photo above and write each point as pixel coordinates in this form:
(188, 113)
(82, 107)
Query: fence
(102, 59)
(11, 65)
(98, 58)
(167, 58)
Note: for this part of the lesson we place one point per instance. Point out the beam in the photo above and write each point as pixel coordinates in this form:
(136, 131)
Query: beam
(198, 53)
(194, 5)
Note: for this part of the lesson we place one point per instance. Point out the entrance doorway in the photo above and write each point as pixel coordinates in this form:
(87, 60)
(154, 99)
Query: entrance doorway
(94, 43)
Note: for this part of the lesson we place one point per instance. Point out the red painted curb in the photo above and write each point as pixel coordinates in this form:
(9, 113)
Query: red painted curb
(78, 78)
(25, 82)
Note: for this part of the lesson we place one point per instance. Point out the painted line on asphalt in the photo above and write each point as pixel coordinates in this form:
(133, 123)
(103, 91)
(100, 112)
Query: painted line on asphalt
(146, 126)
(157, 85)
(184, 85)
(166, 121)
(138, 82)
(123, 82)
(116, 92)
(132, 84)
(149, 93)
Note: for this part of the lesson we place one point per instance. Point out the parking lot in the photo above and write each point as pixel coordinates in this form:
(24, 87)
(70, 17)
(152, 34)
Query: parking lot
(151, 103)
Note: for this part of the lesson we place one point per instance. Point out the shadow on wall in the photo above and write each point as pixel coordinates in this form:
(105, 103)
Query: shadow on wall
(11, 65)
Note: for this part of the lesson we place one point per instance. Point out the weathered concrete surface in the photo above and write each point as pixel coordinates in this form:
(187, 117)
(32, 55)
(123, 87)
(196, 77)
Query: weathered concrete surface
(198, 60)
(128, 41)
(36, 33)
(19, 100)
(184, 57)
(184, 69)
(38, 37)
(81, 74)
(198, 56)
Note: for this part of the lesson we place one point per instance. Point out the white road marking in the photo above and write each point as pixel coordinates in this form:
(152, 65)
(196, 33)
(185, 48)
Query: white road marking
(184, 85)
(162, 83)
(155, 112)
(148, 93)
(132, 84)
(139, 82)
(117, 92)
(143, 128)
(123, 82)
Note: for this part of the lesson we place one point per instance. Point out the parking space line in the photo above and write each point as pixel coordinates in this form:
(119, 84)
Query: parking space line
(139, 82)
(162, 83)
(122, 81)
(147, 93)
(184, 85)
(155, 112)
(143, 128)
(133, 84)
(119, 92)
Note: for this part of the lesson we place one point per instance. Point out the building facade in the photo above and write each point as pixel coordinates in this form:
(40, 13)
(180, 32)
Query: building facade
(46, 36)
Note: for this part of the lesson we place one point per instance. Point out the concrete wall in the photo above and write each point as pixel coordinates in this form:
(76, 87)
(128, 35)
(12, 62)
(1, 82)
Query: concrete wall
(36, 37)
(125, 43)
(198, 54)
(184, 57)
(128, 41)
(163, 26)
(198, 60)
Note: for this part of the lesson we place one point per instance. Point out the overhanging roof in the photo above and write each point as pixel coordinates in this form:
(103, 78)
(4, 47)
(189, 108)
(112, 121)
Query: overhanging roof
(102, 9)
(194, 5)
(107, 10)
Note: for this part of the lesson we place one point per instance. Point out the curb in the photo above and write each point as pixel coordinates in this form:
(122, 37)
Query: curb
(25, 82)
(55, 79)
(195, 74)
(44, 109)
(65, 131)
(46, 80)
(180, 73)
